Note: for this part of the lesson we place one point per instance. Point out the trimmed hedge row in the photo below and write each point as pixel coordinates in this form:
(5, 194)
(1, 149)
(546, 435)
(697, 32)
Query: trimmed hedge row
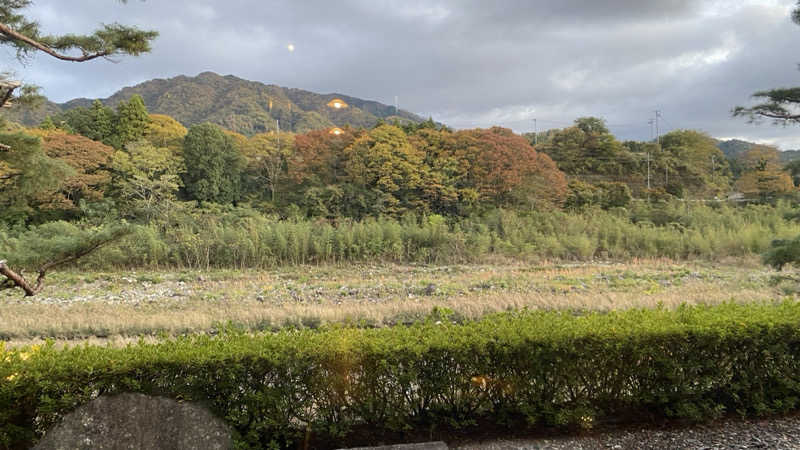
(552, 368)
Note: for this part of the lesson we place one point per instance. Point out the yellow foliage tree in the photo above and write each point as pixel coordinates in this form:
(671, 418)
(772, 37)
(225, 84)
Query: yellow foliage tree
(763, 174)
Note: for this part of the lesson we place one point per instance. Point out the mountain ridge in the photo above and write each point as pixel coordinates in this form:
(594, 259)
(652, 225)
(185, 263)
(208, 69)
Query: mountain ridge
(244, 106)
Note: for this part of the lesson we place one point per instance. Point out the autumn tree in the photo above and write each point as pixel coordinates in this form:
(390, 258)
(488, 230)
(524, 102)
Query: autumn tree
(448, 189)
(763, 175)
(90, 162)
(503, 168)
(318, 156)
(165, 132)
(315, 170)
(213, 165)
(386, 170)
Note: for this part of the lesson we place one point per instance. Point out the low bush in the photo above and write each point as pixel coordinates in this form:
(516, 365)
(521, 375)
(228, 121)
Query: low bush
(511, 369)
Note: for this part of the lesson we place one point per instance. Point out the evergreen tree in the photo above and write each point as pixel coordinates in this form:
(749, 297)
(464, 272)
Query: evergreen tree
(24, 35)
(780, 105)
(213, 166)
(131, 123)
(26, 172)
(102, 123)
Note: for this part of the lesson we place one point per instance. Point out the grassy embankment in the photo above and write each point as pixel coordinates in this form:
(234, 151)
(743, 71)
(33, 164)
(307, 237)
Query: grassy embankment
(122, 306)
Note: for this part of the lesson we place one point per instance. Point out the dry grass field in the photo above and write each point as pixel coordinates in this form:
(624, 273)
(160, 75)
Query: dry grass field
(118, 307)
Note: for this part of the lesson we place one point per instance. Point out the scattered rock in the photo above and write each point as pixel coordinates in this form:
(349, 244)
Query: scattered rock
(430, 289)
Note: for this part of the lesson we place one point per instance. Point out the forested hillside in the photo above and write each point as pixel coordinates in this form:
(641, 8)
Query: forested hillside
(247, 107)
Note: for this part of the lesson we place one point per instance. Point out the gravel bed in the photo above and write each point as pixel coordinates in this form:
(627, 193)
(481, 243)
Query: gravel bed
(775, 433)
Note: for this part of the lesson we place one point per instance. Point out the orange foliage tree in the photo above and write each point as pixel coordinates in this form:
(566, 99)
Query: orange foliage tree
(318, 156)
(503, 168)
(90, 160)
(763, 174)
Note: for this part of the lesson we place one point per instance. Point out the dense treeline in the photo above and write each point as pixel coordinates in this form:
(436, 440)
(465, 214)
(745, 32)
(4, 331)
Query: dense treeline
(206, 196)
(140, 165)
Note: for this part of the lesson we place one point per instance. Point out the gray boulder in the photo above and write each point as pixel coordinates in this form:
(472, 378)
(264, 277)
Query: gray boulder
(137, 421)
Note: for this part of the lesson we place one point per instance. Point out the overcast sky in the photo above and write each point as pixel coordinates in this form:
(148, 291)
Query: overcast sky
(467, 63)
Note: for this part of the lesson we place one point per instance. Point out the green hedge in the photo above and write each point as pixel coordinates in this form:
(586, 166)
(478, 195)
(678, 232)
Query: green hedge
(554, 368)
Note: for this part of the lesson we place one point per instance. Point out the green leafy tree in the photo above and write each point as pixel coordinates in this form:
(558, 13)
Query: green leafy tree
(267, 155)
(793, 167)
(605, 195)
(96, 122)
(131, 122)
(695, 163)
(213, 165)
(26, 173)
(146, 179)
(783, 252)
(590, 151)
(102, 123)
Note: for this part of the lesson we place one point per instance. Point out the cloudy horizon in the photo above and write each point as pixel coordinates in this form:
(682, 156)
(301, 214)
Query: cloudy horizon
(465, 63)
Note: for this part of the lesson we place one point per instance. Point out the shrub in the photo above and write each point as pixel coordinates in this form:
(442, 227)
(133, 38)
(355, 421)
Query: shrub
(510, 369)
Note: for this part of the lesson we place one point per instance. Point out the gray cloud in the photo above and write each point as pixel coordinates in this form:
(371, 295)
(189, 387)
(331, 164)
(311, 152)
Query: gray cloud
(468, 63)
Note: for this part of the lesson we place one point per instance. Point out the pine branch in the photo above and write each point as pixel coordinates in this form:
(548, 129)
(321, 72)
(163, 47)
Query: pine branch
(13, 35)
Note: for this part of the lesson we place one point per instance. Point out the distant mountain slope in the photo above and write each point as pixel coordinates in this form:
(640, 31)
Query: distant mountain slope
(245, 106)
(734, 148)
(788, 156)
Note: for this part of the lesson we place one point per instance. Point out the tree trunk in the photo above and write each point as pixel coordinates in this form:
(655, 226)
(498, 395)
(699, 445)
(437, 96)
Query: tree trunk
(19, 281)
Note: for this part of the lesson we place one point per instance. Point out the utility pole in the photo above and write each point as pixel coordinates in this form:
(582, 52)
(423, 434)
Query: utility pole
(535, 133)
(396, 104)
(658, 142)
(658, 135)
(651, 122)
